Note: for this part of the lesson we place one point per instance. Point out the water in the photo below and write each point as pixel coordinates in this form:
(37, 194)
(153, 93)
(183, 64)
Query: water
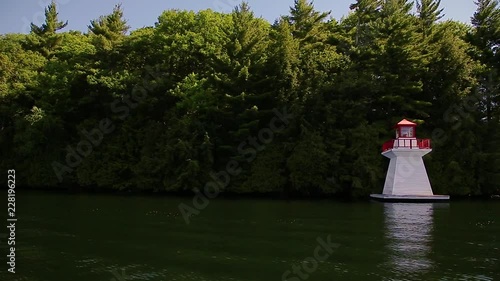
(101, 237)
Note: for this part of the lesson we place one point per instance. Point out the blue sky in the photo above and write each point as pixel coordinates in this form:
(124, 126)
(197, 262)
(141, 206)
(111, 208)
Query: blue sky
(16, 15)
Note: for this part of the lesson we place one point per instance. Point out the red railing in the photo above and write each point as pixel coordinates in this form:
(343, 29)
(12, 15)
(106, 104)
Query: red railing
(407, 143)
(424, 144)
(388, 145)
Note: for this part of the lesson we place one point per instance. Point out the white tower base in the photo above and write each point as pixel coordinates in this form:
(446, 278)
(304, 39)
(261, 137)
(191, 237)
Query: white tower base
(406, 178)
(406, 174)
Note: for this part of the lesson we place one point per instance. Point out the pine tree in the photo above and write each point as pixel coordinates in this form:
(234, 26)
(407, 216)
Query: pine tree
(240, 75)
(386, 59)
(365, 11)
(307, 23)
(44, 38)
(486, 36)
(310, 52)
(52, 23)
(391, 7)
(429, 13)
(112, 26)
(285, 60)
(398, 62)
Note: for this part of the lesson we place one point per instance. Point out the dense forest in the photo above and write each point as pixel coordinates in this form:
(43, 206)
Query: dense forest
(298, 107)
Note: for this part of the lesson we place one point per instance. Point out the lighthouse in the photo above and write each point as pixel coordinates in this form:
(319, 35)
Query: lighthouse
(406, 178)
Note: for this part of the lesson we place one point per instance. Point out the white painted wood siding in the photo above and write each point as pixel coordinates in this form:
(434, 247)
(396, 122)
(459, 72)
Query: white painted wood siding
(406, 174)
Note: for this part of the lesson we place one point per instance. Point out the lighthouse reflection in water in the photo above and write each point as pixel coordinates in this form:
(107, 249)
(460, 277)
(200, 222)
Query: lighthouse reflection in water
(409, 234)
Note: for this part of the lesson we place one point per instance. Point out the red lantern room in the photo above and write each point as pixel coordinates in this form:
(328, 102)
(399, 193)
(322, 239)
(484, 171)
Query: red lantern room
(405, 129)
(406, 138)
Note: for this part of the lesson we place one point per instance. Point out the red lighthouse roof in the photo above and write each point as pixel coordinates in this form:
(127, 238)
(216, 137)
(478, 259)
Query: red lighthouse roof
(405, 122)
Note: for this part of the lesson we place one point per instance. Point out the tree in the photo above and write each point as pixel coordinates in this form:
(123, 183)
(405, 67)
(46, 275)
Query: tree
(240, 73)
(184, 96)
(486, 21)
(365, 12)
(19, 84)
(112, 27)
(52, 23)
(307, 23)
(429, 13)
(44, 39)
(485, 37)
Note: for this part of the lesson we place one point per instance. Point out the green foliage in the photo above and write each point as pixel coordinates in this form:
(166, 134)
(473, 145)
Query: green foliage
(52, 23)
(192, 95)
(306, 22)
(109, 29)
(429, 13)
(308, 165)
(44, 38)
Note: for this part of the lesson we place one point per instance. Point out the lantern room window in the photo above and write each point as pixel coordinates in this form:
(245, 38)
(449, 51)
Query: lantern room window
(405, 129)
(406, 132)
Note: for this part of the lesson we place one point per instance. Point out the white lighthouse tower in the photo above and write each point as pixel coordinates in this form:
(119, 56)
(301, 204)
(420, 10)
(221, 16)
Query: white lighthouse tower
(407, 178)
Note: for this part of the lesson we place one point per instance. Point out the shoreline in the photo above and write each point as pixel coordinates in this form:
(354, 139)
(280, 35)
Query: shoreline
(227, 195)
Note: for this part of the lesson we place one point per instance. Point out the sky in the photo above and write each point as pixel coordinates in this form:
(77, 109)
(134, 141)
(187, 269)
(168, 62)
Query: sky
(16, 15)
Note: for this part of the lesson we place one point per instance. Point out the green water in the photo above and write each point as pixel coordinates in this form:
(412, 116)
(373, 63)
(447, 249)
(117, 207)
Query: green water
(96, 237)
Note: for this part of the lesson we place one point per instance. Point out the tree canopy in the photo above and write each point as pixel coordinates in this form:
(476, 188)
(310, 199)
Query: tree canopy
(299, 107)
